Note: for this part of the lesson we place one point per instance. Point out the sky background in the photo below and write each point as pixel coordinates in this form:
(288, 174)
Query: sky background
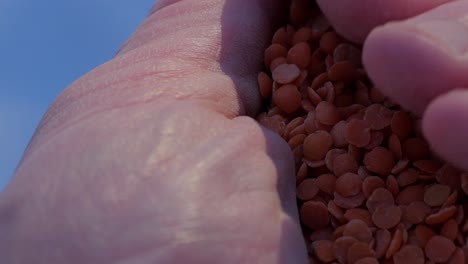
(45, 46)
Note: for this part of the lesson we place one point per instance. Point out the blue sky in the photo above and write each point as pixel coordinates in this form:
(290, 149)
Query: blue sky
(46, 45)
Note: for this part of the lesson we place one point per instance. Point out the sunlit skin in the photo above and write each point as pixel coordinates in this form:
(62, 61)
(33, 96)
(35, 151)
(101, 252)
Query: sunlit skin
(153, 158)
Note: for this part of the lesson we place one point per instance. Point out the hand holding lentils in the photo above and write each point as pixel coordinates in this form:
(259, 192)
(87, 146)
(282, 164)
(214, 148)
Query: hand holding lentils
(369, 189)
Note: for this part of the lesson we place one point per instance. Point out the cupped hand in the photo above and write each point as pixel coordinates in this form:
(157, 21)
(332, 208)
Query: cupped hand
(416, 52)
(148, 158)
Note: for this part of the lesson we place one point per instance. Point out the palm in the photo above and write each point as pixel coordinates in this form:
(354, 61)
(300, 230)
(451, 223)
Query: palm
(175, 194)
(139, 176)
(145, 159)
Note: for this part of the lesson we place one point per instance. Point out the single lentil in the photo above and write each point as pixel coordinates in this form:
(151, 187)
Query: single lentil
(439, 248)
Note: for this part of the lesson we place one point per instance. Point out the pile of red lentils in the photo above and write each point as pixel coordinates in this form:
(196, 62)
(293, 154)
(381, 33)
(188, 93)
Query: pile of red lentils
(369, 189)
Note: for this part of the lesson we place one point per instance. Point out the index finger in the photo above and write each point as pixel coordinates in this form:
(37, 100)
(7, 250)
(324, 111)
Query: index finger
(355, 19)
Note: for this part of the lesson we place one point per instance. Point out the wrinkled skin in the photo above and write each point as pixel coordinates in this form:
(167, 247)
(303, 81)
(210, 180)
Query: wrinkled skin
(151, 158)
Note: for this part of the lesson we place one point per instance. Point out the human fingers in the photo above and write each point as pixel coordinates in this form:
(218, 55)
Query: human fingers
(355, 19)
(445, 126)
(416, 60)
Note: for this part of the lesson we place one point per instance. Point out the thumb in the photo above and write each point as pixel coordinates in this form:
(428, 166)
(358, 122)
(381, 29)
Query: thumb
(416, 62)
(355, 19)
(445, 126)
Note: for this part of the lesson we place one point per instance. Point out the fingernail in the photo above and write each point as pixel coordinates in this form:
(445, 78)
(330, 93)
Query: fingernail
(447, 34)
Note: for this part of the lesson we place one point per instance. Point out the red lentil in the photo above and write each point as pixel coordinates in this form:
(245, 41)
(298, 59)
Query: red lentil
(300, 129)
(304, 34)
(423, 234)
(377, 137)
(416, 149)
(428, 166)
(409, 254)
(359, 250)
(314, 215)
(336, 211)
(347, 52)
(331, 155)
(321, 234)
(376, 95)
(360, 214)
(280, 37)
(350, 201)
(307, 190)
(286, 73)
(319, 81)
(355, 152)
(367, 260)
(401, 124)
(450, 176)
(436, 194)
(358, 133)
(277, 62)
(342, 71)
(464, 183)
(316, 145)
(348, 184)
(395, 243)
(449, 229)
(342, 246)
(451, 200)
(458, 257)
(400, 166)
(326, 183)
(324, 250)
(344, 163)
(386, 216)
(329, 42)
(392, 185)
(394, 145)
(379, 197)
(378, 116)
(361, 94)
(296, 141)
(416, 212)
(287, 98)
(439, 248)
(379, 160)
(301, 173)
(370, 184)
(441, 216)
(265, 84)
(359, 230)
(410, 194)
(273, 52)
(299, 55)
(327, 113)
(407, 177)
(383, 238)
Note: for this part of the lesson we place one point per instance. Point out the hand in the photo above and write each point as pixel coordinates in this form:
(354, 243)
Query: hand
(147, 159)
(420, 61)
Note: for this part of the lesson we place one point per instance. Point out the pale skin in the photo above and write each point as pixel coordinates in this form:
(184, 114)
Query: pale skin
(153, 158)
